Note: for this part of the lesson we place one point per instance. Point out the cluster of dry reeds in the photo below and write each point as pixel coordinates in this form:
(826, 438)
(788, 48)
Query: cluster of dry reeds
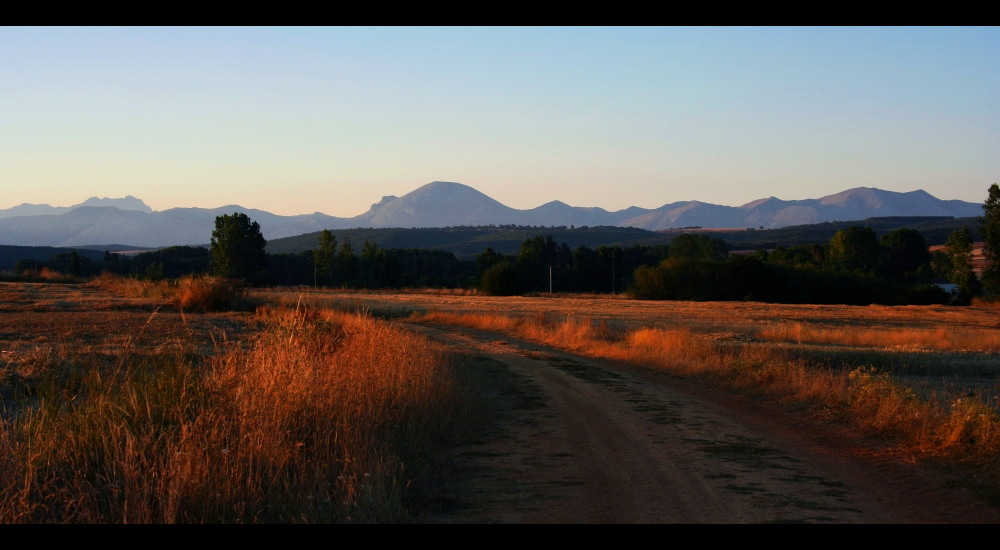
(965, 428)
(323, 417)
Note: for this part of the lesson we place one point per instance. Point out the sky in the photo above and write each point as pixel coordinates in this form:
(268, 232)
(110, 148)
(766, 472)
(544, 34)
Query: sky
(302, 120)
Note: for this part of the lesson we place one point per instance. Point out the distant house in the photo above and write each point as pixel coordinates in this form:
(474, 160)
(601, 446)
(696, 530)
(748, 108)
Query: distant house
(950, 288)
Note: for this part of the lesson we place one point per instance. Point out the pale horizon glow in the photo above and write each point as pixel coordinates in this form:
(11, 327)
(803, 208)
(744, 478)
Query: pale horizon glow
(296, 121)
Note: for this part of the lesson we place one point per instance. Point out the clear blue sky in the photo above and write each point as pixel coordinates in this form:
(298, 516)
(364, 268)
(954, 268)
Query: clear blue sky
(302, 120)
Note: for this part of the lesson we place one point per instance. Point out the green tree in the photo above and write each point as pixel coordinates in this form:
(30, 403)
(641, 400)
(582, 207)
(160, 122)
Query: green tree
(990, 227)
(854, 248)
(325, 257)
(501, 279)
(74, 264)
(237, 247)
(698, 247)
(904, 252)
(347, 263)
(959, 247)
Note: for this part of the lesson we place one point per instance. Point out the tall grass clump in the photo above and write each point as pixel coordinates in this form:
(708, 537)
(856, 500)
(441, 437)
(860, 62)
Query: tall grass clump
(322, 417)
(207, 293)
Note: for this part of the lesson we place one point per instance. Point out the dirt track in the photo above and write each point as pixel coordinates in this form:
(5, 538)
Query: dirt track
(588, 443)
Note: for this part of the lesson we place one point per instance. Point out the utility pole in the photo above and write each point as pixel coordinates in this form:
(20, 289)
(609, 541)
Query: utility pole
(612, 271)
(550, 279)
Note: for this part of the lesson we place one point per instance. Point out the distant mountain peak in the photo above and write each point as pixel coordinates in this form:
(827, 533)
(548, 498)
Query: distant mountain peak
(758, 202)
(127, 203)
(385, 199)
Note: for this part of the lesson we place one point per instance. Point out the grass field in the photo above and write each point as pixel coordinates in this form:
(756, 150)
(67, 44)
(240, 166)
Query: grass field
(123, 409)
(129, 402)
(925, 377)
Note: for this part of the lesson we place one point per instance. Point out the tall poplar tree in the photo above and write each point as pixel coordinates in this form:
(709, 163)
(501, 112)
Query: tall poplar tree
(990, 227)
(237, 247)
(325, 256)
(959, 246)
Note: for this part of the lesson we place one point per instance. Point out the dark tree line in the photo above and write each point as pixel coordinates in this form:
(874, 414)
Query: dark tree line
(854, 268)
(541, 264)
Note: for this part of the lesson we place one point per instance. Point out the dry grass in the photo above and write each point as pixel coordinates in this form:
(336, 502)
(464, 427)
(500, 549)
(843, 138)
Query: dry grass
(206, 294)
(322, 417)
(987, 302)
(137, 288)
(964, 429)
(192, 293)
(46, 275)
(900, 338)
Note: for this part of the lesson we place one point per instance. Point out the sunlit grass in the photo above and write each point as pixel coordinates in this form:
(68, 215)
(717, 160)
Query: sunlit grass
(321, 417)
(901, 338)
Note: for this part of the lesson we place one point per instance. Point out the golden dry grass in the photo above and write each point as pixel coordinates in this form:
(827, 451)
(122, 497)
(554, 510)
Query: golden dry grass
(203, 293)
(901, 338)
(322, 417)
(137, 288)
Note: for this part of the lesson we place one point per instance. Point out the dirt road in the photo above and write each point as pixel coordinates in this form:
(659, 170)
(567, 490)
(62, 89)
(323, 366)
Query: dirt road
(585, 441)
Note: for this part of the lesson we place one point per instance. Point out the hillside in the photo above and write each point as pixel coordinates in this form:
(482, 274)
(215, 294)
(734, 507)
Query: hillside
(466, 242)
(934, 229)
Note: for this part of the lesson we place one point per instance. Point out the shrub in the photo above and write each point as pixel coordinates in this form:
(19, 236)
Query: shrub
(206, 294)
(501, 280)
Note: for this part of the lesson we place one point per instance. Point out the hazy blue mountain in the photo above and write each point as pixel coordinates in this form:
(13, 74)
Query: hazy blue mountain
(127, 203)
(853, 204)
(436, 204)
(178, 226)
(445, 204)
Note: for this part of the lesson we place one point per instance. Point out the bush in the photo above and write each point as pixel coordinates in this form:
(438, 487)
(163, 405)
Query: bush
(206, 294)
(501, 280)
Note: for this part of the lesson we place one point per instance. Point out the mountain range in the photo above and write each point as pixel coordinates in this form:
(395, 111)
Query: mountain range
(444, 204)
